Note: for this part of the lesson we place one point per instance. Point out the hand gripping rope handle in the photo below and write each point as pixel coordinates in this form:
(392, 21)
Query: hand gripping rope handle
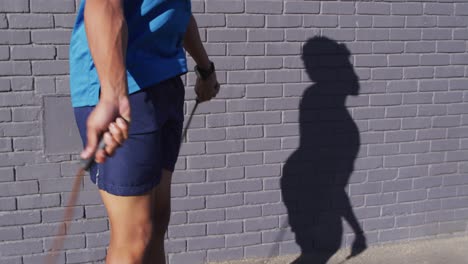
(85, 166)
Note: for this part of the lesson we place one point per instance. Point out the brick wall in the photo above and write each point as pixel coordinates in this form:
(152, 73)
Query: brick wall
(367, 122)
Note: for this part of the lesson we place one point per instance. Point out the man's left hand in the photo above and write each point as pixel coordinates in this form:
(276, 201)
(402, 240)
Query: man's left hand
(207, 89)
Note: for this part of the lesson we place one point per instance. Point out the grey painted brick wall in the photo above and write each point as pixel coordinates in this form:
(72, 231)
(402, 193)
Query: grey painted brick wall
(410, 119)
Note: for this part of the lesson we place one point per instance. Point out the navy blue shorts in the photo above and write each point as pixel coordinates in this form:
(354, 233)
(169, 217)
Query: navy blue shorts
(153, 144)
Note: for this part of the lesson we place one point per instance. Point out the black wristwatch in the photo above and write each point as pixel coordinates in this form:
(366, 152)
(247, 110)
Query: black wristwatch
(204, 73)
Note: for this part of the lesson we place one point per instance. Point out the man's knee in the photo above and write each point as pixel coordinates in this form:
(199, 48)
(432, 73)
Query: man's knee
(137, 237)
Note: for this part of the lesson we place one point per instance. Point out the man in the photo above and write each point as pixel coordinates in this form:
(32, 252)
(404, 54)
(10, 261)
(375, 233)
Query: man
(126, 58)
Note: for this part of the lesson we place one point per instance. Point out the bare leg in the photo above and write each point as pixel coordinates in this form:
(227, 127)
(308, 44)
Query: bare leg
(161, 204)
(130, 227)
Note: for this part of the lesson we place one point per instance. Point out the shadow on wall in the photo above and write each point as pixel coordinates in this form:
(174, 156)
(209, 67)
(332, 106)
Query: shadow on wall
(315, 176)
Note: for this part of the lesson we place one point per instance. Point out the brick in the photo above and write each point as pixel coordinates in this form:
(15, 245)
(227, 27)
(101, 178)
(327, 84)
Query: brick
(338, 8)
(13, 6)
(229, 146)
(89, 226)
(204, 216)
(56, 185)
(192, 203)
(70, 242)
(245, 21)
(95, 211)
(10, 234)
(190, 230)
(438, 9)
(225, 254)
(19, 218)
(200, 243)
(380, 199)
(210, 20)
(407, 8)
(236, 6)
(205, 162)
(257, 118)
(38, 201)
(57, 214)
(64, 20)
(32, 52)
(389, 21)
(299, 7)
(53, 6)
(263, 7)
(225, 174)
(388, 47)
(227, 35)
(85, 198)
(224, 201)
(4, 53)
(301, 34)
(33, 21)
(18, 188)
(50, 67)
(85, 255)
(38, 172)
(50, 36)
(5, 144)
(13, 37)
(246, 77)
(373, 8)
(367, 188)
(15, 68)
(22, 84)
(8, 204)
(44, 85)
(196, 257)
(261, 250)
(21, 247)
(27, 143)
(284, 21)
(206, 189)
(258, 63)
(63, 52)
(262, 90)
(97, 239)
(245, 49)
(192, 148)
(340, 34)
(265, 35)
(399, 161)
(405, 34)
(244, 239)
(212, 134)
(372, 34)
(451, 21)
(387, 74)
(263, 197)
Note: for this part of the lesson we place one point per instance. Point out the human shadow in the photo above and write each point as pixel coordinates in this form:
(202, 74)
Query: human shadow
(315, 176)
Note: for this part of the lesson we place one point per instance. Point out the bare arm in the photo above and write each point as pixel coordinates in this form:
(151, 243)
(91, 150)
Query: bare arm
(106, 30)
(194, 46)
(205, 89)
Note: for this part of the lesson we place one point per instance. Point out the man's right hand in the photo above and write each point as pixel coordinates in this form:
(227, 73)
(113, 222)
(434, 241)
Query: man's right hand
(109, 119)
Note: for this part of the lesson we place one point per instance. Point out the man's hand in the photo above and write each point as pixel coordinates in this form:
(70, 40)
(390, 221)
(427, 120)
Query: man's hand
(207, 89)
(108, 119)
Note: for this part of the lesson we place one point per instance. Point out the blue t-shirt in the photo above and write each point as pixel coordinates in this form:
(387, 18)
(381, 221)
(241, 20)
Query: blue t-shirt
(155, 51)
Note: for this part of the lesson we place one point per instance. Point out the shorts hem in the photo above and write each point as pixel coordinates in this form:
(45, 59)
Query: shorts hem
(126, 190)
